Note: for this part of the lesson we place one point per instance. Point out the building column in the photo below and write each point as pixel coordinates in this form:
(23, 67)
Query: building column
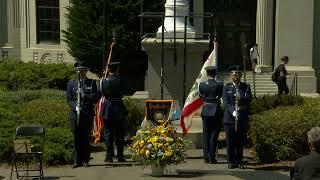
(264, 35)
(198, 8)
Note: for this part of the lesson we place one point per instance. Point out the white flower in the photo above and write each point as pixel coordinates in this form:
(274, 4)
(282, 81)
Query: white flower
(160, 153)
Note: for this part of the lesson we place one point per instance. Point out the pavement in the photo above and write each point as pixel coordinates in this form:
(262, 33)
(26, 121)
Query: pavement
(194, 168)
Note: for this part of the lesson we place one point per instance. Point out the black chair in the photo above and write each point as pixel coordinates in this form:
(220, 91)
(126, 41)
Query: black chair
(28, 147)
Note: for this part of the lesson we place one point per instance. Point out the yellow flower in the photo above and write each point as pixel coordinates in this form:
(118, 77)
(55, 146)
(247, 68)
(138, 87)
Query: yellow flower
(141, 143)
(168, 153)
(141, 151)
(147, 153)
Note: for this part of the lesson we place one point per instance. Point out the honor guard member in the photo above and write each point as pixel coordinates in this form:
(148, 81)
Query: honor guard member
(82, 99)
(236, 98)
(114, 112)
(211, 93)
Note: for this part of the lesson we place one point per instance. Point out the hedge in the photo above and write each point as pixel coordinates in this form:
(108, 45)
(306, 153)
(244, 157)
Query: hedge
(17, 75)
(49, 109)
(280, 134)
(265, 103)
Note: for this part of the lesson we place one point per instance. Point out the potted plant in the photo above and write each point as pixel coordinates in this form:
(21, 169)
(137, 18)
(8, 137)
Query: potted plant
(158, 147)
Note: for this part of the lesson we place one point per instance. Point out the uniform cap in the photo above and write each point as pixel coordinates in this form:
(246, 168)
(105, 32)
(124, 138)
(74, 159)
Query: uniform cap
(80, 66)
(234, 69)
(210, 68)
(113, 64)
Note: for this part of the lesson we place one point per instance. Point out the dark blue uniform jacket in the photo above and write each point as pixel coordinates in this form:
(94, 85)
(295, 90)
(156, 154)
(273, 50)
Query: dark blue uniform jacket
(211, 92)
(229, 95)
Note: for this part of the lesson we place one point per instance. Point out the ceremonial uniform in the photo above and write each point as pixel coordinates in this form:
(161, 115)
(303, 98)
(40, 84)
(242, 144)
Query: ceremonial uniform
(235, 138)
(211, 92)
(82, 130)
(114, 114)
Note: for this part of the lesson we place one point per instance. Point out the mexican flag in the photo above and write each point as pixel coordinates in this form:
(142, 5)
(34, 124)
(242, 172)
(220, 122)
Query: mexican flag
(194, 102)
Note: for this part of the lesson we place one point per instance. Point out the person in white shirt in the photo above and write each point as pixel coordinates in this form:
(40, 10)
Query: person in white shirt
(254, 54)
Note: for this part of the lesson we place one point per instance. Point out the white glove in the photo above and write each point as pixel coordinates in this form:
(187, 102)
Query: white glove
(78, 108)
(234, 113)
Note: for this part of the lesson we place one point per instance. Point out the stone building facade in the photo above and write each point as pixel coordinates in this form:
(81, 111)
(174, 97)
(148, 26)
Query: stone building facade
(30, 30)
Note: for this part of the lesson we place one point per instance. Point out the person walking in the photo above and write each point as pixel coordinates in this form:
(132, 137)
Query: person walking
(236, 98)
(211, 93)
(281, 76)
(82, 102)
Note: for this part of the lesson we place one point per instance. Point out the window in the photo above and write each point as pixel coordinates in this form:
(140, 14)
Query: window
(48, 21)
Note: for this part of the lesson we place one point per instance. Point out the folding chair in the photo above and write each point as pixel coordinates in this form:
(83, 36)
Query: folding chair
(28, 146)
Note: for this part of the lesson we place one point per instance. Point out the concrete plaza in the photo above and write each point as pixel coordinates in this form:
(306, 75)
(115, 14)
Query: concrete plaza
(193, 169)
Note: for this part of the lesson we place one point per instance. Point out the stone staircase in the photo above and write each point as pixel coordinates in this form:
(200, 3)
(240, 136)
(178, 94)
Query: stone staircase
(263, 83)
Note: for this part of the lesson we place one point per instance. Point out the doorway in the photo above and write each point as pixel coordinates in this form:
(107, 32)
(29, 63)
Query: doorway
(235, 25)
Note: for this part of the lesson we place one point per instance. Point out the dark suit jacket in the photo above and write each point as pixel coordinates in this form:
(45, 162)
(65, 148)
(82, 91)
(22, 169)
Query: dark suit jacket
(307, 167)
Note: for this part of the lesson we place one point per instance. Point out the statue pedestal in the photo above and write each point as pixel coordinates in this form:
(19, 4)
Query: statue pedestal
(182, 11)
(173, 70)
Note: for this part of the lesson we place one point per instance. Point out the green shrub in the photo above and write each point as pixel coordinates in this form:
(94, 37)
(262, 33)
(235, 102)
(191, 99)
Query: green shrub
(47, 108)
(281, 134)
(59, 146)
(16, 75)
(50, 113)
(265, 103)
(135, 108)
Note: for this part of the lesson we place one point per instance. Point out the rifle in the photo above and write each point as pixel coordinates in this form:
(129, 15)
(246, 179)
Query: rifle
(78, 107)
(236, 107)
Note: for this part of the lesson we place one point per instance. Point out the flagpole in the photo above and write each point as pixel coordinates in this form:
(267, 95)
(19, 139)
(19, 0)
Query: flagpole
(174, 33)
(162, 57)
(104, 33)
(184, 58)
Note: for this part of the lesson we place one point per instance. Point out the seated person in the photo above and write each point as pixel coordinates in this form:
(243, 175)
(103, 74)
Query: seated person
(308, 167)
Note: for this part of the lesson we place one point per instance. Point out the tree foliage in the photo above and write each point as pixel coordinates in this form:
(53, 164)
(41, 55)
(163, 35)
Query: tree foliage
(85, 33)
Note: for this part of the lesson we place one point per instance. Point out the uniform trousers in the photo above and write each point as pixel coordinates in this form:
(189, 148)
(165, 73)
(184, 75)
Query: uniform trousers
(81, 137)
(114, 129)
(211, 129)
(235, 142)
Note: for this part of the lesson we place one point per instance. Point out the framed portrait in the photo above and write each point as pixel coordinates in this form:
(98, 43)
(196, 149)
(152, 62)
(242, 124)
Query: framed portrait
(158, 111)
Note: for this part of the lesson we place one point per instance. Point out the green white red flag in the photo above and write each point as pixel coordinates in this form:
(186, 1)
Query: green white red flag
(194, 102)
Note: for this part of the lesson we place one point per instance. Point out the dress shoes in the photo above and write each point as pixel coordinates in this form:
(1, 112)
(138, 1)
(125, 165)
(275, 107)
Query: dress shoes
(85, 164)
(108, 160)
(241, 166)
(206, 160)
(213, 161)
(231, 166)
(122, 160)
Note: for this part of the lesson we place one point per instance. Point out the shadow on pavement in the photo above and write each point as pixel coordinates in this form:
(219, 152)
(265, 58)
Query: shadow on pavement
(242, 174)
(1, 177)
(220, 156)
(115, 164)
(56, 177)
(272, 168)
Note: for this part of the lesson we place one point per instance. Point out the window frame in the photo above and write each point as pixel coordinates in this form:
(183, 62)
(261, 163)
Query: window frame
(55, 30)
